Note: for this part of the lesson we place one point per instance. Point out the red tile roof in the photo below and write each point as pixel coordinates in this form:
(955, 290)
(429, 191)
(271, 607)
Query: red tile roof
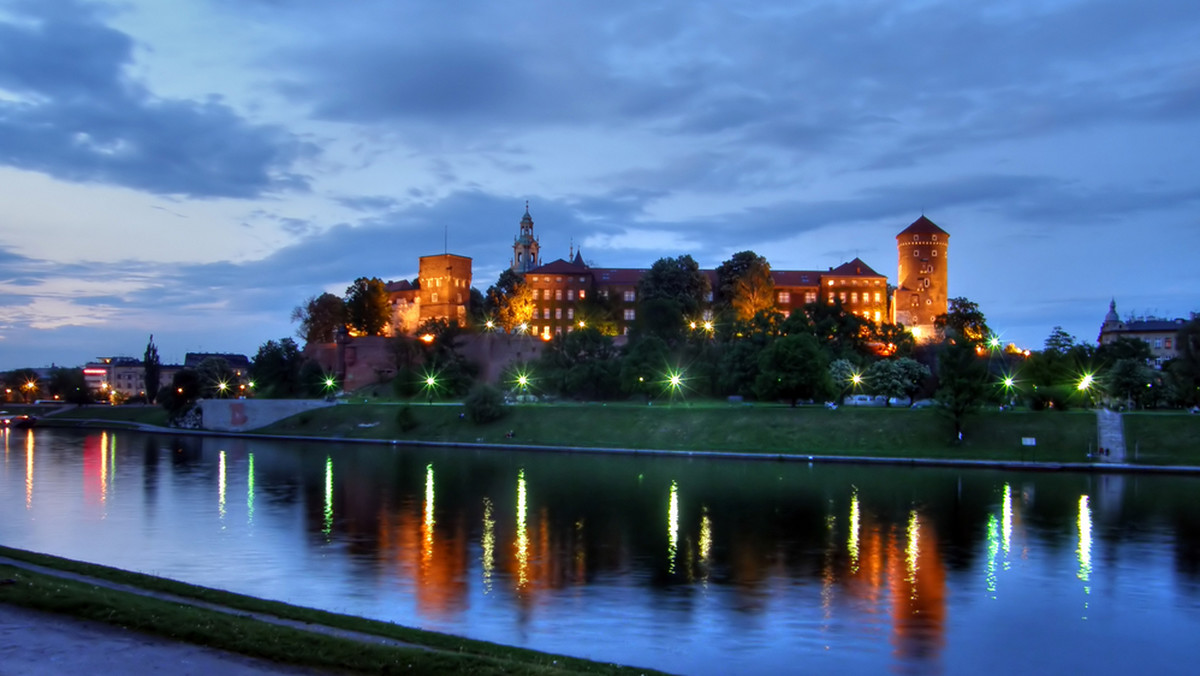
(855, 268)
(558, 267)
(923, 226)
(796, 277)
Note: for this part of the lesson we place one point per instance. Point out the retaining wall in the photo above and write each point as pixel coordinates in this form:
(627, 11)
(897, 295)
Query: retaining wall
(241, 415)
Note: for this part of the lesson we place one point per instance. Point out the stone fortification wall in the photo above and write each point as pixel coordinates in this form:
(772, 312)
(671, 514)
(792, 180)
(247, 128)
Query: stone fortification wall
(240, 415)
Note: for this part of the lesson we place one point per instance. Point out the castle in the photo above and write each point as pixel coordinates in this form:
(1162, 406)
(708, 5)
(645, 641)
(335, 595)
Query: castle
(562, 288)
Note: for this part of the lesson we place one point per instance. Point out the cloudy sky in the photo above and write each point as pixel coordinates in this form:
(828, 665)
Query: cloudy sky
(195, 169)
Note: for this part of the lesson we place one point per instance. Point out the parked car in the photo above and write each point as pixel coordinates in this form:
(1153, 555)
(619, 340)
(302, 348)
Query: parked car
(924, 403)
(899, 401)
(866, 400)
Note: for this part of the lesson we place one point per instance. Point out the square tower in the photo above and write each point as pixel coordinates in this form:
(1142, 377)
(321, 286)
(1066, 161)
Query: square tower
(445, 289)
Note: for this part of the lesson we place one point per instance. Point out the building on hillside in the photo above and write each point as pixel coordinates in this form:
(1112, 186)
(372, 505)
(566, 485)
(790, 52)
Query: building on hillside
(442, 290)
(1159, 333)
(126, 376)
(922, 284)
(562, 290)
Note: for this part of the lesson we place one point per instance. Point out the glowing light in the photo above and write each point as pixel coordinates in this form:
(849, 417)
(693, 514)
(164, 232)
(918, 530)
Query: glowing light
(1084, 551)
(430, 381)
(852, 541)
(222, 386)
(692, 325)
(523, 327)
(490, 324)
(708, 326)
(428, 338)
(582, 324)
(914, 548)
(672, 527)
(1009, 383)
(329, 382)
(994, 342)
(488, 542)
(1006, 523)
(856, 378)
(250, 490)
(522, 543)
(221, 487)
(1085, 382)
(705, 535)
(993, 540)
(327, 528)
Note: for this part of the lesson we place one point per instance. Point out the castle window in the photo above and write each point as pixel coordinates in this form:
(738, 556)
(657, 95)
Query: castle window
(785, 298)
(558, 313)
(434, 296)
(708, 297)
(533, 279)
(629, 296)
(582, 294)
(929, 301)
(1167, 343)
(570, 294)
(558, 294)
(831, 298)
(570, 313)
(842, 296)
(916, 238)
(877, 316)
(925, 282)
(935, 238)
(581, 280)
(545, 313)
(629, 315)
(916, 253)
(854, 297)
(935, 253)
(1158, 343)
(915, 301)
(458, 298)
(810, 297)
(558, 279)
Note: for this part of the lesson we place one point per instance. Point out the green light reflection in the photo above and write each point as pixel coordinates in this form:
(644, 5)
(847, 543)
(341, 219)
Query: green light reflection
(488, 541)
(993, 549)
(522, 543)
(914, 549)
(852, 540)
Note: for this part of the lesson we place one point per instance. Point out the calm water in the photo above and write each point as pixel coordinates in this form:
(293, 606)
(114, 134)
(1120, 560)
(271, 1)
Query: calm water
(696, 567)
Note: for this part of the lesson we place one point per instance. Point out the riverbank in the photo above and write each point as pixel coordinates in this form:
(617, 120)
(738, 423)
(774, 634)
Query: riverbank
(268, 630)
(1057, 438)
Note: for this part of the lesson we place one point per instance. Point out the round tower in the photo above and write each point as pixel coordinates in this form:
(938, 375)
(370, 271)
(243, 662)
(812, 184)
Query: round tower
(525, 246)
(922, 287)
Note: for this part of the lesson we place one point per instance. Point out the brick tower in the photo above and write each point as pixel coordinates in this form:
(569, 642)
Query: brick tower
(922, 287)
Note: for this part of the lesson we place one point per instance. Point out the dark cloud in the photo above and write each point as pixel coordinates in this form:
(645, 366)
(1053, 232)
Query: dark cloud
(368, 202)
(79, 118)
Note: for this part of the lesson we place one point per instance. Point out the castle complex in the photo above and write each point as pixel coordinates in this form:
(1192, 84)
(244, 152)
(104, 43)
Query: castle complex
(564, 290)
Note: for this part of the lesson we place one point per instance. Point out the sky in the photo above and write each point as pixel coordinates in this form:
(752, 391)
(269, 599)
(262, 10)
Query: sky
(196, 169)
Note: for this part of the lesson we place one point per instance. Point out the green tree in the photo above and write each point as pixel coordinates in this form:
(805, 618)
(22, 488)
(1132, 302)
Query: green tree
(368, 309)
(151, 370)
(1123, 347)
(509, 301)
(793, 368)
(216, 378)
(276, 369)
(582, 364)
(320, 318)
(484, 404)
(70, 385)
(1129, 379)
(642, 368)
(844, 334)
(745, 286)
(179, 397)
(1188, 370)
(962, 381)
(443, 361)
(964, 319)
(23, 383)
(896, 377)
(671, 293)
(737, 367)
(1060, 341)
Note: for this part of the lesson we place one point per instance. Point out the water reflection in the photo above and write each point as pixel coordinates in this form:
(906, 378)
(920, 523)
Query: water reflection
(556, 552)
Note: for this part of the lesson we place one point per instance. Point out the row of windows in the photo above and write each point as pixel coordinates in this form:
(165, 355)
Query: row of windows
(917, 253)
(544, 294)
(854, 282)
(854, 298)
(557, 279)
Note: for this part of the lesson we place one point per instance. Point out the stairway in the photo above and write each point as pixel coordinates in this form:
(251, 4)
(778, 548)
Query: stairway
(1111, 433)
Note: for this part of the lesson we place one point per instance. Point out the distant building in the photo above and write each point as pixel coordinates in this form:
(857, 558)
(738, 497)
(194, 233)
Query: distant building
(1160, 334)
(240, 363)
(525, 246)
(124, 375)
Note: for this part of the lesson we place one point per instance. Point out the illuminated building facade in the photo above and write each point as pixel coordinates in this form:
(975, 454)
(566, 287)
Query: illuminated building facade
(525, 246)
(442, 291)
(922, 287)
(1158, 333)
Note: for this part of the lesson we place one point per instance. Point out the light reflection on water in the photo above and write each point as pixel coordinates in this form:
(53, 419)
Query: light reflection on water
(762, 566)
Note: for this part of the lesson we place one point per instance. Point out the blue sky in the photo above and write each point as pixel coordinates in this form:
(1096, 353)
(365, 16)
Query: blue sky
(196, 169)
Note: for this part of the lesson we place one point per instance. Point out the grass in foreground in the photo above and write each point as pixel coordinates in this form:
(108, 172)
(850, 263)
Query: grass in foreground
(434, 653)
(1061, 436)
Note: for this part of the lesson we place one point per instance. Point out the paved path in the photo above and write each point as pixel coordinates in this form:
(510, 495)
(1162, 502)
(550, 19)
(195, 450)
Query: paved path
(35, 642)
(1111, 433)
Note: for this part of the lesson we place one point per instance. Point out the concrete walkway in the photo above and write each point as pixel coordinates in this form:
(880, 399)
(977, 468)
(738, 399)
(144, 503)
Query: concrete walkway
(36, 642)
(1111, 433)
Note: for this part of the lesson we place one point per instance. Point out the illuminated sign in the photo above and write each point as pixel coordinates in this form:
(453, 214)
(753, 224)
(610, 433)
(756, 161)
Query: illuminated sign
(95, 372)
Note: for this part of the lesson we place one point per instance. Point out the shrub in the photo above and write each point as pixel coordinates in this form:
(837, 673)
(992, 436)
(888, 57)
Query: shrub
(484, 404)
(405, 419)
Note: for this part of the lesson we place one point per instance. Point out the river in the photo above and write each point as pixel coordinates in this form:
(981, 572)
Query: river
(686, 565)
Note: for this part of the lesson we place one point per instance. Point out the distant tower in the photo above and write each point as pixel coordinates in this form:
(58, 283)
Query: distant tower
(525, 246)
(921, 285)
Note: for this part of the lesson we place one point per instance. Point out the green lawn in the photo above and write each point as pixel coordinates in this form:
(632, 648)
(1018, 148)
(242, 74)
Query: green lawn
(1061, 437)
(1169, 438)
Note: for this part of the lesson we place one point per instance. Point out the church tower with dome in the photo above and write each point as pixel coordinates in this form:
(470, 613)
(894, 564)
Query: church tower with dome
(525, 246)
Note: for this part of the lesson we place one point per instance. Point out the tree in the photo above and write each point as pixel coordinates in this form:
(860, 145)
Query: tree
(1187, 373)
(643, 365)
(179, 397)
(745, 286)
(509, 301)
(671, 292)
(793, 368)
(737, 367)
(844, 334)
(1123, 347)
(320, 318)
(276, 369)
(23, 383)
(1059, 340)
(368, 309)
(1129, 379)
(216, 378)
(582, 363)
(484, 404)
(152, 370)
(896, 377)
(962, 379)
(964, 319)
(70, 385)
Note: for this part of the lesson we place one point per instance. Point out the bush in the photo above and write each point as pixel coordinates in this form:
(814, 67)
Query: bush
(484, 404)
(405, 419)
